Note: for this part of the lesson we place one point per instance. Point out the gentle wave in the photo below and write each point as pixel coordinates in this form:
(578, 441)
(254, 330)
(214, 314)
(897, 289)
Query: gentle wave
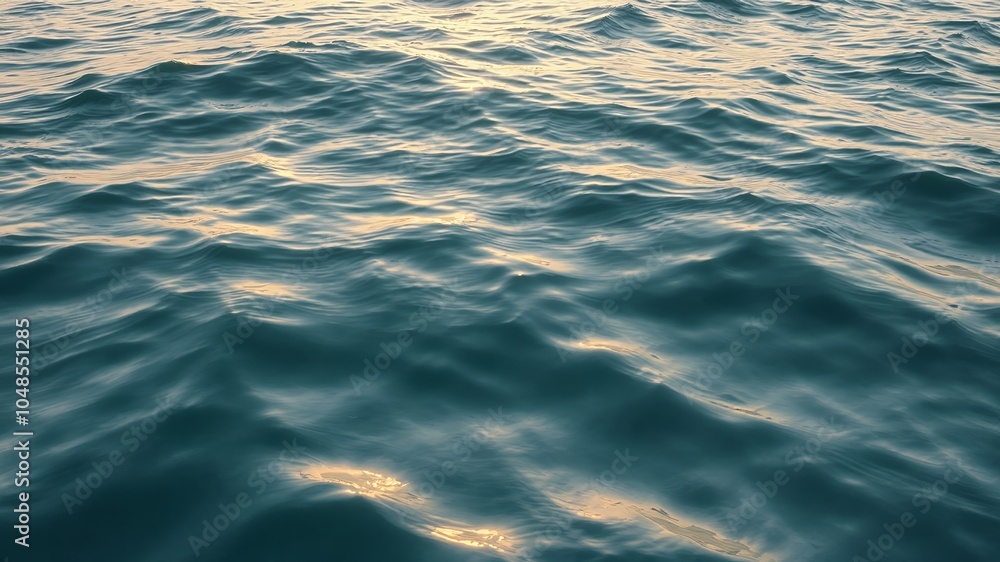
(456, 280)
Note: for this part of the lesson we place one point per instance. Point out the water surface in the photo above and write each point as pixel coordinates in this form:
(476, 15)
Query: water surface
(450, 280)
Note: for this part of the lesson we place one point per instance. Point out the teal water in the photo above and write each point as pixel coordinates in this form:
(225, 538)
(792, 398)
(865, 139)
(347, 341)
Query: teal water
(450, 280)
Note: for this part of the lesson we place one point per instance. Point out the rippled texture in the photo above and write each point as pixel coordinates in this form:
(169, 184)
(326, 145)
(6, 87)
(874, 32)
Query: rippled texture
(449, 280)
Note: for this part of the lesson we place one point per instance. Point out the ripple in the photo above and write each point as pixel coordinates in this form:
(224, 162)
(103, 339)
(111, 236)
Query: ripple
(367, 228)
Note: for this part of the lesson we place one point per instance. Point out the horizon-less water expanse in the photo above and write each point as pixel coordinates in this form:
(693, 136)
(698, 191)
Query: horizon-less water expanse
(470, 281)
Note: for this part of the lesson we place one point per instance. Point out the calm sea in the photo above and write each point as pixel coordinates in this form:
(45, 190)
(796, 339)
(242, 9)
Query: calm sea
(469, 281)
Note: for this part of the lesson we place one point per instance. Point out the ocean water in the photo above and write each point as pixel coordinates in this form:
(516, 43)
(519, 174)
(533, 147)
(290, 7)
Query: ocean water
(454, 280)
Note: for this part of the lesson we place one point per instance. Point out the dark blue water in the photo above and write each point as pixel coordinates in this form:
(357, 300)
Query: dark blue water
(449, 280)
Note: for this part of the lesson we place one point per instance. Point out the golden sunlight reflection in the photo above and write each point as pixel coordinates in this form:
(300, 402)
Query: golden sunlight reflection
(624, 172)
(211, 226)
(411, 509)
(614, 346)
(710, 540)
(739, 410)
(501, 257)
(131, 241)
(478, 538)
(264, 289)
(365, 224)
(357, 481)
(152, 170)
(20, 228)
(611, 510)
